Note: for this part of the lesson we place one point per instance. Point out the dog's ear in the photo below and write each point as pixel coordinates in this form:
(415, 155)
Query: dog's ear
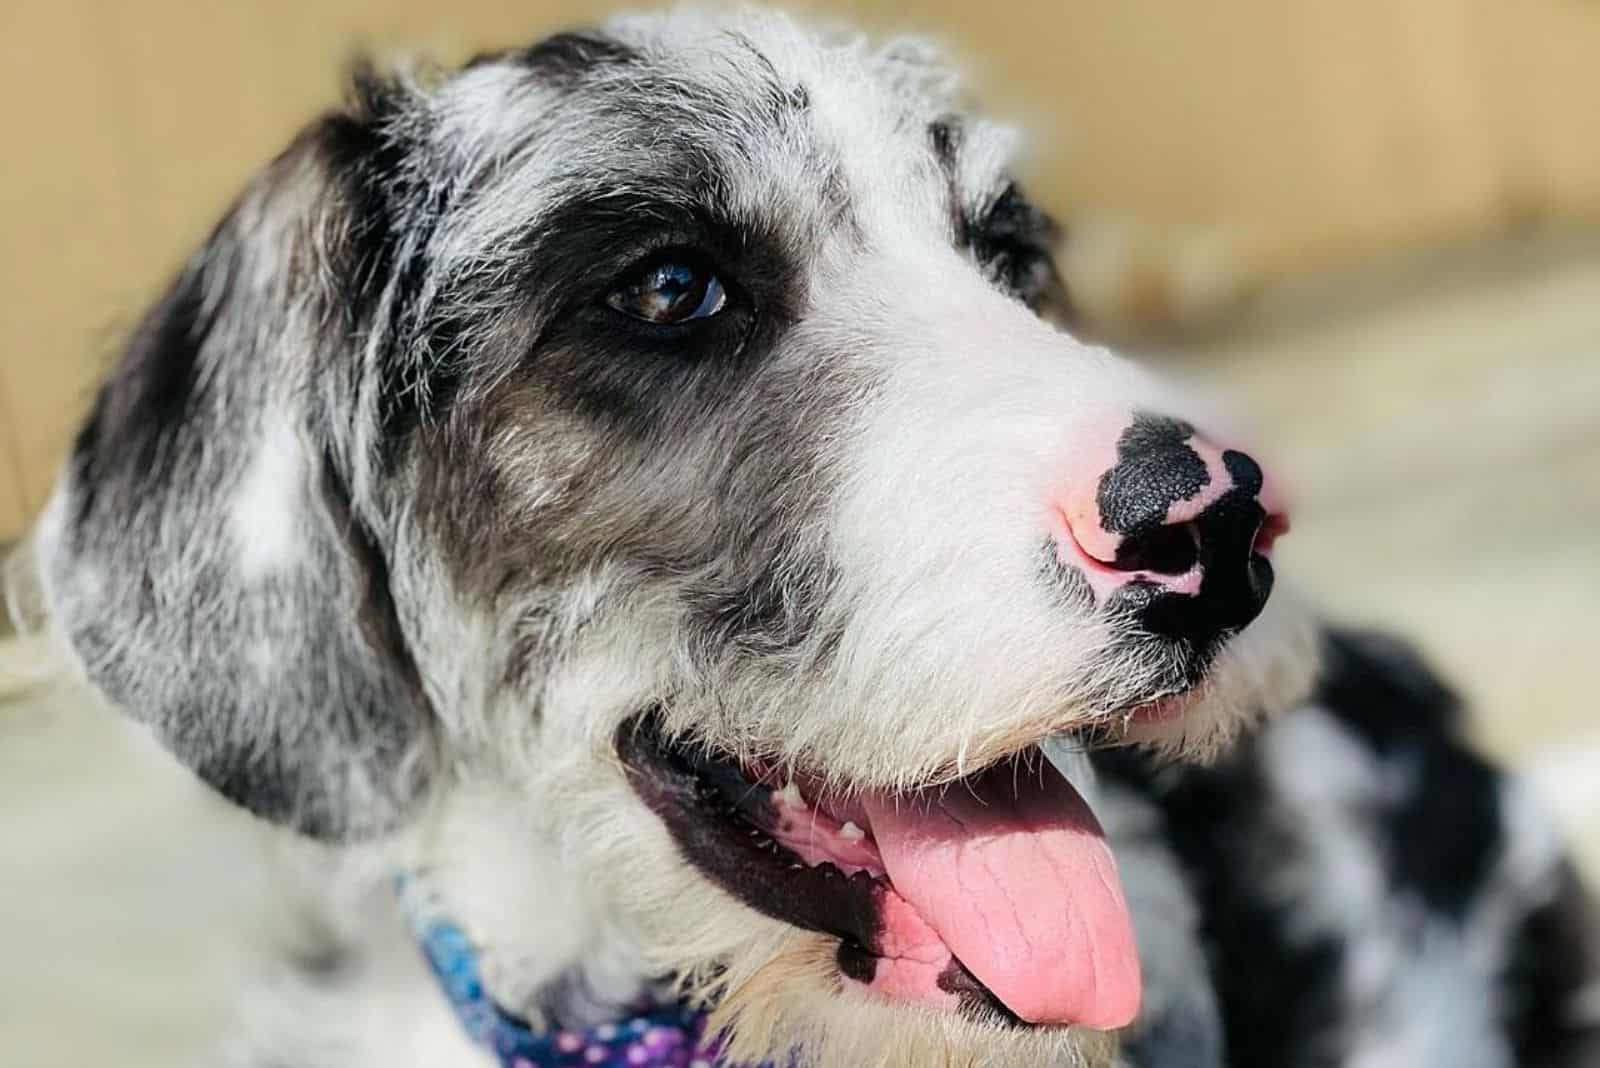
(215, 554)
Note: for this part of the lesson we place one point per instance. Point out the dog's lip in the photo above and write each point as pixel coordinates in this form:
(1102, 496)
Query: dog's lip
(708, 806)
(716, 816)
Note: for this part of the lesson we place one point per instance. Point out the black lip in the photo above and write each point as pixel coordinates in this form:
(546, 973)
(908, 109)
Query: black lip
(715, 817)
(706, 805)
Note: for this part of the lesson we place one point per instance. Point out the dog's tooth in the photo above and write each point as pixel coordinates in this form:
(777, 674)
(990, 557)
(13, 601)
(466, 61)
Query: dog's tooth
(790, 795)
(851, 833)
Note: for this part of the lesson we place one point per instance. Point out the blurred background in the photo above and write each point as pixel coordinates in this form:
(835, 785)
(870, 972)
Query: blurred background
(1376, 225)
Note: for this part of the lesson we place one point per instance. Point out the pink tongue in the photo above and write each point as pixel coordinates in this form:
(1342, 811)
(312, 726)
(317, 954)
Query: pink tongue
(1013, 872)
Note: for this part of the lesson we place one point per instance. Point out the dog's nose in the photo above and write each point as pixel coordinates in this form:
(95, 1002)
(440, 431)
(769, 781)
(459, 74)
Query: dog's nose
(1178, 531)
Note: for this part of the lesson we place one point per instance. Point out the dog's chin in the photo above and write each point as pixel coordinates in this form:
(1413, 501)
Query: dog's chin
(1264, 670)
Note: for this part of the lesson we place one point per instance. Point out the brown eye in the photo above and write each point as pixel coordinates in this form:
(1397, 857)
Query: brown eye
(670, 291)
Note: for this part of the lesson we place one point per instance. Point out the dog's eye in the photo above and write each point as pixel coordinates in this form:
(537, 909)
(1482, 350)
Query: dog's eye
(675, 289)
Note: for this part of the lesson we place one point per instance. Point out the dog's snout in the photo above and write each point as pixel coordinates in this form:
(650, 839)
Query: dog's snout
(1177, 530)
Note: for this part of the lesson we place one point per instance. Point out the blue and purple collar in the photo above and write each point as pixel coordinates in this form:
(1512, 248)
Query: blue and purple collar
(655, 1037)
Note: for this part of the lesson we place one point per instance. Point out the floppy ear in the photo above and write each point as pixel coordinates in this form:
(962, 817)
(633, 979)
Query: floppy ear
(207, 555)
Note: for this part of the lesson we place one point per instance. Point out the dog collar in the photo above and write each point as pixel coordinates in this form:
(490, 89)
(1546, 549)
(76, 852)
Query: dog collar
(657, 1037)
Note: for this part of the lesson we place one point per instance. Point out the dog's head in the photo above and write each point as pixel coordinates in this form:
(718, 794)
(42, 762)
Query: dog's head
(669, 426)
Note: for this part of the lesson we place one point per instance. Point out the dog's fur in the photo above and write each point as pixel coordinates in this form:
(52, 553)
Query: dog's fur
(385, 528)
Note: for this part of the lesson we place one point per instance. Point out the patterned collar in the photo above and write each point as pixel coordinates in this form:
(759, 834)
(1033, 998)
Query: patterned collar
(656, 1037)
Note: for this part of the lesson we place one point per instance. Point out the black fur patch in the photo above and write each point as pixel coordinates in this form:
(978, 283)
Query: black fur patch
(1443, 836)
(565, 58)
(379, 249)
(944, 136)
(366, 158)
(1279, 998)
(391, 224)
(1556, 959)
(1014, 241)
(128, 437)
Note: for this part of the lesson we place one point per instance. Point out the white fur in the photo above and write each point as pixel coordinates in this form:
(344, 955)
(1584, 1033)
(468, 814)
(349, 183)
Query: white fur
(267, 505)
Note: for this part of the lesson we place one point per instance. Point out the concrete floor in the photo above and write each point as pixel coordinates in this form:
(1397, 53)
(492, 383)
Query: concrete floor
(1445, 446)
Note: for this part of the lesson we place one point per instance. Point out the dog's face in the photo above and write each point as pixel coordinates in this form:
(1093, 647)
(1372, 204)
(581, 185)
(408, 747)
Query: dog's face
(668, 426)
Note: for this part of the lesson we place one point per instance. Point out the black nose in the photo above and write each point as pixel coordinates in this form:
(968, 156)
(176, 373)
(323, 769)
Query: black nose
(1174, 535)
(1225, 542)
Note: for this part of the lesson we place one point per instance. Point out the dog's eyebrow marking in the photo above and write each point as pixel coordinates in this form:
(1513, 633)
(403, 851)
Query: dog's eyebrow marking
(590, 231)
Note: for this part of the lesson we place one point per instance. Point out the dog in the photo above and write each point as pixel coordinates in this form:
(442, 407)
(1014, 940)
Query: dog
(640, 492)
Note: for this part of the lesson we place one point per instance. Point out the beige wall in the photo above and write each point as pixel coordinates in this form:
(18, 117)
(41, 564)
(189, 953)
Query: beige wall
(1197, 147)
(11, 511)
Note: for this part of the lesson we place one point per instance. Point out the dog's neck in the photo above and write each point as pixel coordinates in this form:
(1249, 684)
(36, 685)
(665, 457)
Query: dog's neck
(542, 950)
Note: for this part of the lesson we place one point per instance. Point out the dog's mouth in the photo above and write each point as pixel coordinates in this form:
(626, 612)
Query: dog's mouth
(995, 895)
